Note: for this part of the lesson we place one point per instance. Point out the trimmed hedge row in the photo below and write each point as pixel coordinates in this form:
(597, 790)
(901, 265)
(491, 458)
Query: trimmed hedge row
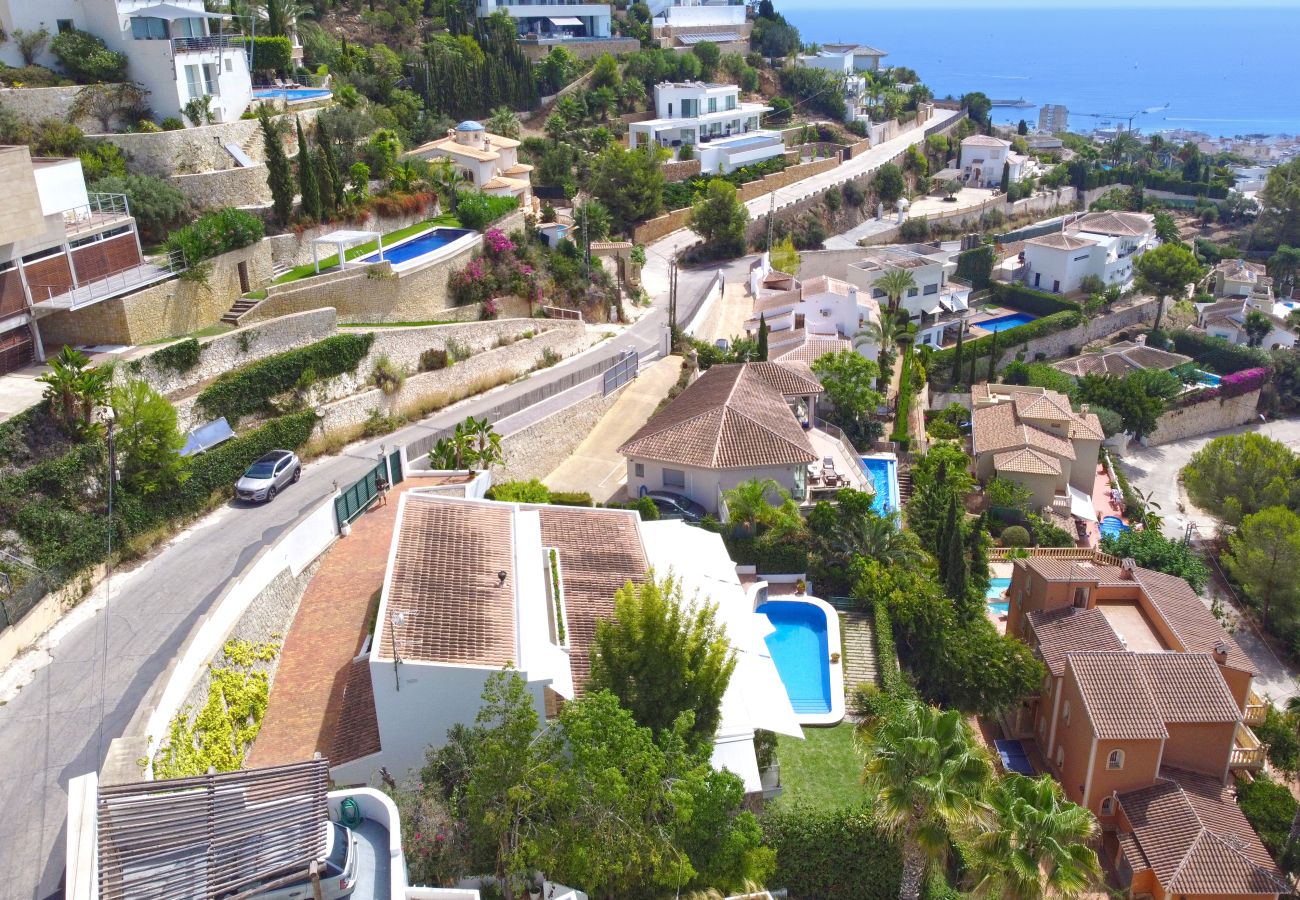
(767, 554)
(975, 266)
(1216, 353)
(247, 390)
(829, 854)
(941, 360)
(891, 679)
(1040, 303)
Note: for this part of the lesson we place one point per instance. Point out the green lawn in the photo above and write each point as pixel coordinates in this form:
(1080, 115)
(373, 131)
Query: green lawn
(446, 220)
(822, 770)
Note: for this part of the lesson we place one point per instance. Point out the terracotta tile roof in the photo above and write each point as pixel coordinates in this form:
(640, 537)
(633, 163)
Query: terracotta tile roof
(1058, 241)
(1067, 630)
(1120, 359)
(1088, 426)
(791, 380)
(357, 732)
(996, 428)
(600, 551)
(1234, 267)
(1027, 461)
(789, 336)
(1116, 699)
(1191, 834)
(1188, 687)
(1115, 223)
(769, 303)
(1081, 570)
(778, 279)
(812, 349)
(1047, 405)
(824, 284)
(1191, 621)
(450, 147)
(729, 418)
(443, 580)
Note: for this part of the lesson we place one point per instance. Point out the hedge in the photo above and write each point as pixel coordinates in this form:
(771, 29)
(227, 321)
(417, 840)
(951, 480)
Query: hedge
(247, 390)
(891, 678)
(903, 410)
(1040, 303)
(270, 52)
(769, 556)
(941, 360)
(1270, 808)
(828, 854)
(975, 266)
(179, 357)
(1216, 353)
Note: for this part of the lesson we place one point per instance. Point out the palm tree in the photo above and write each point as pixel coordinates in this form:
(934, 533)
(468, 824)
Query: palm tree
(747, 502)
(882, 333)
(447, 180)
(74, 390)
(895, 283)
(870, 535)
(281, 16)
(504, 122)
(482, 440)
(1037, 845)
(925, 778)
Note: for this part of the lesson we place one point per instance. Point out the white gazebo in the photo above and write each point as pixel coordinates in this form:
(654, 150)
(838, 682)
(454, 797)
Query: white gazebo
(341, 240)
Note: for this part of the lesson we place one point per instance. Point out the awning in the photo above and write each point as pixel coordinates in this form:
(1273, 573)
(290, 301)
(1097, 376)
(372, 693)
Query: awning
(567, 22)
(171, 12)
(716, 37)
(930, 307)
(1081, 505)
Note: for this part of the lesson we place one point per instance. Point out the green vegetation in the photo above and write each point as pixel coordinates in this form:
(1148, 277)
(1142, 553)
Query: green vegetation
(1214, 353)
(849, 380)
(157, 205)
(822, 771)
(1270, 808)
(720, 218)
(836, 853)
(179, 357)
(1263, 556)
(474, 444)
(87, 58)
(215, 233)
(1152, 550)
(446, 220)
(1238, 475)
(941, 360)
(557, 593)
(1139, 398)
(1039, 303)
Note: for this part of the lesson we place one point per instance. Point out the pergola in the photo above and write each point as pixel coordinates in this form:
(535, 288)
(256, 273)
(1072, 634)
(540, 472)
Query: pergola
(341, 240)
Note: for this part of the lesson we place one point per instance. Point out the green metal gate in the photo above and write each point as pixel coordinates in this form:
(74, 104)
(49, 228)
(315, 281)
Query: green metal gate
(357, 497)
(395, 467)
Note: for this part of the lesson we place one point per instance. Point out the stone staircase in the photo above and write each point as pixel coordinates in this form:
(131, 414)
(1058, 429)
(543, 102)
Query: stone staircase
(904, 485)
(242, 306)
(859, 639)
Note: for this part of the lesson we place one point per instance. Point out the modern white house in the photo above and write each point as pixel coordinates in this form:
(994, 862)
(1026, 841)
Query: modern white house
(1244, 288)
(935, 305)
(724, 132)
(819, 308)
(984, 159)
(552, 19)
(175, 50)
(1102, 244)
(475, 586)
(489, 161)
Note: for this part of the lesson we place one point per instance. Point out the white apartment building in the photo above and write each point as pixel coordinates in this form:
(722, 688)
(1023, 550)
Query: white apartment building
(1103, 244)
(548, 18)
(175, 50)
(1244, 288)
(1053, 117)
(698, 13)
(815, 310)
(847, 61)
(984, 158)
(934, 305)
(725, 132)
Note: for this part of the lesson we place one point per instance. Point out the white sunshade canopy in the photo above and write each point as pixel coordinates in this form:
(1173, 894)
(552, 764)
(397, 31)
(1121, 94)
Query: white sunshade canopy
(1081, 505)
(567, 21)
(341, 240)
(171, 12)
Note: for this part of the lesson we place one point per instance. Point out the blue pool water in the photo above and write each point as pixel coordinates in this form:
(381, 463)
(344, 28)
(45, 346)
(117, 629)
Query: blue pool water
(749, 141)
(417, 246)
(993, 596)
(1002, 323)
(884, 476)
(799, 647)
(291, 95)
(1110, 526)
(1209, 379)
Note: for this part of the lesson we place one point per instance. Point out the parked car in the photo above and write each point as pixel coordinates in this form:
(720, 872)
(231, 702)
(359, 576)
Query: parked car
(338, 870)
(266, 477)
(675, 506)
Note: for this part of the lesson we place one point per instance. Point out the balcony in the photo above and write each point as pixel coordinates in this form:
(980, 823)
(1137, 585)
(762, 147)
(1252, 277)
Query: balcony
(1256, 709)
(1248, 751)
(208, 42)
(103, 212)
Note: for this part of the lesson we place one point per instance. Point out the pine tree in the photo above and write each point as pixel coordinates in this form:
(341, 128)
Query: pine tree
(762, 338)
(307, 185)
(956, 355)
(278, 175)
(330, 169)
(328, 202)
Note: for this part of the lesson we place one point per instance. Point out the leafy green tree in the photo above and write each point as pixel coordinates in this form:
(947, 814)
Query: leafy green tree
(592, 219)
(709, 55)
(307, 186)
(662, 656)
(1264, 555)
(629, 182)
(156, 203)
(936, 476)
(1152, 550)
(1166, 272)
(750, 505)
(849, 382)
(1283, 265)
(147, 440)
(1007, 494)
(87, 58)
(74, 390)
(1139, 398)
(925, 778)
(1238, 475)
(784, 256)
(851, 529)
(1258, 327)
(1280, 203)
(1037, 846)
(278, 175)
(888, 183)
(321, 166)
(953, 564)
(895, 283)
(720, 218)
(605, 72)
(978, 107)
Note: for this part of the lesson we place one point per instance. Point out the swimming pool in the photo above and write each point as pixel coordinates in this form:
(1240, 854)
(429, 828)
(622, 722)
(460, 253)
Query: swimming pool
(413, 249)
(1209, 379)
(1002, 323)
(993, 596)
(800, 647)
(292, 95)
(884, 477)
(748, 142)
(1112, 526)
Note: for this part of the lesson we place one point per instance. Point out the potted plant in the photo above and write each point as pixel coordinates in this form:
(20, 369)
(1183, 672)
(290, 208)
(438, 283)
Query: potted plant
(534, 888)
(800, 586)
(835, 657)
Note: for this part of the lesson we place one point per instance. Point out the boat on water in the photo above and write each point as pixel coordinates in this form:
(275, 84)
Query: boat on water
(1022, 103)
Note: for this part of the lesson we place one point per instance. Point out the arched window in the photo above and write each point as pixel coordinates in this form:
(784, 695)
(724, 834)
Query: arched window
(1115, 760)
(1065, 713)
(1107, 806)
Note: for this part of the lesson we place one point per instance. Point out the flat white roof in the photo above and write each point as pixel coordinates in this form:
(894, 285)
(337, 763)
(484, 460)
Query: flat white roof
(346, 236)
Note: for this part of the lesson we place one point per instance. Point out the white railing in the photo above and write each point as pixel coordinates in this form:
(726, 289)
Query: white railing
(855, 458)
(93, 213)
(152, 270)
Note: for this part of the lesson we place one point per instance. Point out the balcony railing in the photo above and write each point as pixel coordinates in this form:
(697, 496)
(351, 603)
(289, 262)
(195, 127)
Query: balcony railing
(151, 271)
(1256, 709)
(209, 42)
(1247, 752)
(92, 216)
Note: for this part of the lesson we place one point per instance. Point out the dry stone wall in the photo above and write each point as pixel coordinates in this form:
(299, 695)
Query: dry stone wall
(538, 449)
(225, 187)
(1073, 340)
(36, 104)
(1204, 418)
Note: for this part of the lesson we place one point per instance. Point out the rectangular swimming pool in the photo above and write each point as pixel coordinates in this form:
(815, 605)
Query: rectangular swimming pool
(748, 142)
(800, 649)
(884, 478)
(419, 246)
(292, 95)
(993, 597)
(1002, 323)
(1209, 379)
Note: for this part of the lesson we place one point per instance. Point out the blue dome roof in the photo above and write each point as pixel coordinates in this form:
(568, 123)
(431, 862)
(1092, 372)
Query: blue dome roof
(470, 125)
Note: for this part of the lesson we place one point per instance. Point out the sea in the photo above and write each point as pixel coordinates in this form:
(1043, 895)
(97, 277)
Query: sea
(1224, 71)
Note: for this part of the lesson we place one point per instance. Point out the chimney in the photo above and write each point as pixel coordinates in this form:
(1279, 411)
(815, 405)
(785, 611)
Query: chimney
(1127, 565)
(1083, 407)
(1221, 653)
(853, 295)
(1141, 340)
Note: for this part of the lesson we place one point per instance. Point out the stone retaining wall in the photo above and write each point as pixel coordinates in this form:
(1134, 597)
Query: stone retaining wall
(1072, 341)
(539, 449)
(681, 169)
(294, 248)
(1203, 418)
(582, 49)
(225, 187)
(36, 104)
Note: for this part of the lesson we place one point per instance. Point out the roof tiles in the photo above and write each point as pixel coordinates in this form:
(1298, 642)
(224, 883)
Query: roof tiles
(1118, 703)
(1068, 630)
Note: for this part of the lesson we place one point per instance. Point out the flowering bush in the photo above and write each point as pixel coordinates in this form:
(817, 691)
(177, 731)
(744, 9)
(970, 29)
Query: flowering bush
(497, 271)
(496, 243)
(433, 839)
(1242, 382)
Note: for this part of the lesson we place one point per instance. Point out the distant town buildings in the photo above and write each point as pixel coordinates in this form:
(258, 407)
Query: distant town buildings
(1053, 117)
(935, 305)
(724, 132)
(984, 159)
(490, 162)
(551, 19)
(1101, 244)
(175, 50)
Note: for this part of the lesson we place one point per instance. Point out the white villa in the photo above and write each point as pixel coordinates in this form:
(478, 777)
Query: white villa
(935, 304)
(1103, 244)
(489, 161)
(818, 309)
(1245, 287)
(474, 586)
(847, 61)
(725, 132)
(546, 18)
(983, 160)
(175, 50)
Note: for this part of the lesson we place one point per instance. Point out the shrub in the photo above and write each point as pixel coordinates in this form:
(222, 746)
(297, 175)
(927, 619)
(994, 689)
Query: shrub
(477, 210)
(1015, 536)
(914, 230)
(156, 203)
(975, 266)
(172, 123)
(219, 468)
(941, 360)
(646, 509)
(1270, 808)
(572, 498)
(1025, 299)
(179, 357)
(247, 390)
(87, 58)
(1215, 353)
(853, 194)
(215, 233)
(836, 853)
(433, 359)
(770, 554)
(387, 376)
(531, 491)
(270, 52)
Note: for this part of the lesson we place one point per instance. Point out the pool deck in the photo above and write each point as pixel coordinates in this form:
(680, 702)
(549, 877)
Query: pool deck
(1103, 505)
(992, 312)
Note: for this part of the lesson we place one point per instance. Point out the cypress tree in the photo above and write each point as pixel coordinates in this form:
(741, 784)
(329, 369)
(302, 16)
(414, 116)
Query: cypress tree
(278, 175)
(956, 355)
(949, 531)
(977, 547)
(328, 202)
(330, 169)
(307, 185)
(973, 357)
(1006, 176)
(762, 337)
(953, 567)
(993, 357)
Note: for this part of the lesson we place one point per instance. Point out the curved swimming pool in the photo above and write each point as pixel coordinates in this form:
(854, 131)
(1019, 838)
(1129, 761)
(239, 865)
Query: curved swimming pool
(1112, 526)
(801, 648)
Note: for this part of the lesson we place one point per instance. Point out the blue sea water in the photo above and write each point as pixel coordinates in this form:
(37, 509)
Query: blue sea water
(1224, 70)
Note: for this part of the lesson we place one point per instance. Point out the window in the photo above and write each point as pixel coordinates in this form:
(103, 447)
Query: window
(674, 478)
(1038, 277)
(1056, 287)
(64, 25)
(148, 28)
(1115, 760)
(1065, 713)
(639, 469)
(1107, 806)
(210, 74)
(190, 28)
(930, 289)
(913, 292)
(193, 83)
(713, 104)
(1060, 757)
(731, 101)
(230, 64)
(877, 293)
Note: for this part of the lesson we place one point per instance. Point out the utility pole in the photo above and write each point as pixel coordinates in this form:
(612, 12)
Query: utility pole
(771, 221)
(672, 298)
